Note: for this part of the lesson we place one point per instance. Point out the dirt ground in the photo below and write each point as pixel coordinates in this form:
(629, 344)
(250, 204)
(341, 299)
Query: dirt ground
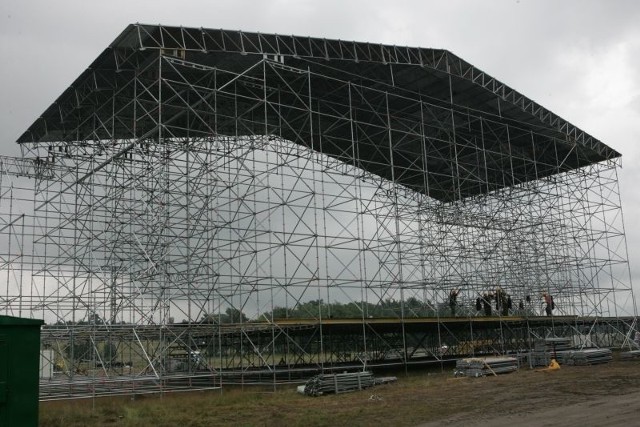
(621, 410)
(605, 395)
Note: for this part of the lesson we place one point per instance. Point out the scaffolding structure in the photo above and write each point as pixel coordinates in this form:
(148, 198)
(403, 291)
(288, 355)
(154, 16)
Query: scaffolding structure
(203, 206)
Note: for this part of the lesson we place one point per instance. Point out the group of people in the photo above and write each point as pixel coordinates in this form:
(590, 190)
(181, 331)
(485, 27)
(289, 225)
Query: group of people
(503, 302)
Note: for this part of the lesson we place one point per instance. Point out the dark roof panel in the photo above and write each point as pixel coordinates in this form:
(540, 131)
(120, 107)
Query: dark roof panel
(450, 130)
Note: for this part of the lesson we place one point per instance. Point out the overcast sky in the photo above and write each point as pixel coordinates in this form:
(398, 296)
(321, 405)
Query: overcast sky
(580, 59)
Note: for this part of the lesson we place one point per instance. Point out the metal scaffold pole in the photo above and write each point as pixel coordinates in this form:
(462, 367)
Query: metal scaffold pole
(208, 207)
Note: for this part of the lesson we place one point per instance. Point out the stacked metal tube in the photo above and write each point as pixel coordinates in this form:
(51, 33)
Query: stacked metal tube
(549, 348)
(338, 383)
(587, 356)
(479, 367)
(628, 355)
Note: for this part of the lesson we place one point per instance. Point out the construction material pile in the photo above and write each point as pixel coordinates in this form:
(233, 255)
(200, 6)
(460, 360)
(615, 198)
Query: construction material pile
(561, 350)
(629, 355)
(549, 348)
(587, 356)
(556, 344)
(479, 367)
(337, 383)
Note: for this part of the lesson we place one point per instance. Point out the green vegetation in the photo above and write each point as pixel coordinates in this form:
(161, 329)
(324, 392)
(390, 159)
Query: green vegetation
(231, 315)
(233, 406)
(387, 308)
(418, 397)
(316, 309)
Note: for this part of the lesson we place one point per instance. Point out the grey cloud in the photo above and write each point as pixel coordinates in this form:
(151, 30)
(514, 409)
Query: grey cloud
(525, 43)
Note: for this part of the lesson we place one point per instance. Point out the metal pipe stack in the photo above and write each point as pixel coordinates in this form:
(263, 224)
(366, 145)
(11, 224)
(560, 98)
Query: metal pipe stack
(546, 349)
(587, 356)
(554, 344)
(629, 355)
(479, 367)
(561, 349)
(338, 383)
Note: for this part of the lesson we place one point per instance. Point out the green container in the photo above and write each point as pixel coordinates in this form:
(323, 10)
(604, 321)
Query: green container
(19, 371)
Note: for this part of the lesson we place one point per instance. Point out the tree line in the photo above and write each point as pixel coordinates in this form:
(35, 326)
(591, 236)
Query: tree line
(315, 309)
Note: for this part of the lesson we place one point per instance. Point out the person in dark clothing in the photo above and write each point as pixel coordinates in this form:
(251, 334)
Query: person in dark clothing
(486, 304)
(478, 304)
(453, 301)
(549, 305)
(502, 302)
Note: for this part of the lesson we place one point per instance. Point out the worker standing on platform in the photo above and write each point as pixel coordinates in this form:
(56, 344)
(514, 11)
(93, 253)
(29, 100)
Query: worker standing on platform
(453, 301)
(549, 305)
(502, 303)
(486, 303)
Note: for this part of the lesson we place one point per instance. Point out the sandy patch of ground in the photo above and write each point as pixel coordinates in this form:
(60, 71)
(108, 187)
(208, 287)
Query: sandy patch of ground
(603, 395)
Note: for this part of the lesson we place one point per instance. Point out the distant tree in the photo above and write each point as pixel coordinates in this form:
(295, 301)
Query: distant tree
(109, 352)
(233, 315)
(209, 318)
(80, 349)
(279, 313)
(411, 307)
(95, 319)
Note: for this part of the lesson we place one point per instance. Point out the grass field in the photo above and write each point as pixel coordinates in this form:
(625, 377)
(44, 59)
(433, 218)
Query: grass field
(416, 398)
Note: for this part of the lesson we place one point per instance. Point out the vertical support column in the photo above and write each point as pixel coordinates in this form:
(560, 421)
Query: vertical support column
(398, 279)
